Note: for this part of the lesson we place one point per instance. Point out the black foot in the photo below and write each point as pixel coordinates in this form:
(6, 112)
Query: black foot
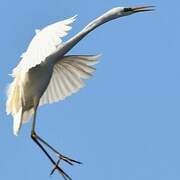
(38, 140)
(67, 160)
(64, 175)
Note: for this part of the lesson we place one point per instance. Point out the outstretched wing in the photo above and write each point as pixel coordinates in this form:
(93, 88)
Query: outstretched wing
(67, 77)
(43, 44)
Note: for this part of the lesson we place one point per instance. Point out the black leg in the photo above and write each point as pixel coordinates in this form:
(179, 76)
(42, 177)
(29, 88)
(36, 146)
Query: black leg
(61, 157)
(65, 176)
(36, 139)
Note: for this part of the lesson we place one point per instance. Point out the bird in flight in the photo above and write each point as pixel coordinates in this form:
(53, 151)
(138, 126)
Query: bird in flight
(46, 74)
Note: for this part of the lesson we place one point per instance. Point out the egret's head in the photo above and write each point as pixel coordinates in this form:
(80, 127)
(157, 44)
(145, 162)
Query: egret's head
(125, 11)
(131, 10)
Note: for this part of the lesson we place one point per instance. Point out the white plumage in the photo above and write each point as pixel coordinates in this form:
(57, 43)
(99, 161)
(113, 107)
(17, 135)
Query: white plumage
(43, 44)
(67, 76)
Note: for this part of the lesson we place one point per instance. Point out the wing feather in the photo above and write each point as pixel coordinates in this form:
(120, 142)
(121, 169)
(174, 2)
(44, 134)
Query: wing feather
(67, 77)
(43, 44)
(74, 76)
(72, 80)
(83, 73)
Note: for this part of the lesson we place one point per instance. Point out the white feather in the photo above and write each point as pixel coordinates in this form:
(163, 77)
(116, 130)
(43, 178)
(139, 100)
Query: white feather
(17, 122)
(67, 77)
(43, 44)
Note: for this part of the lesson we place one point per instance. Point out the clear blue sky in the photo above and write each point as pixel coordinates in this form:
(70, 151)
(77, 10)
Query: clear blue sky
(126, 123)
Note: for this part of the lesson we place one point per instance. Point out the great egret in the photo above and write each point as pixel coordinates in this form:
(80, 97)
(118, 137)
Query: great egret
(46, 75)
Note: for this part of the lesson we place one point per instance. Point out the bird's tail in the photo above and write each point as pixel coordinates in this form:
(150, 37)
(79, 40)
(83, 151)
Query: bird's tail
(14, 105)
(17, 122)
(20, 118)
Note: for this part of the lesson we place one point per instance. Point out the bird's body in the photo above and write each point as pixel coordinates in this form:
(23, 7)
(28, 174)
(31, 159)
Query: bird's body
(34, 84)
(45, 80)
(26, 87)
(33, 73)
(39, 84)
(46, 75)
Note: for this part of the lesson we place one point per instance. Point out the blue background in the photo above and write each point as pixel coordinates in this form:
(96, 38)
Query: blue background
(125, 123)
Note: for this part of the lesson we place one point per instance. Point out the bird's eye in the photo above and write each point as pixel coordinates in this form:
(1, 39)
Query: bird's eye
(127, 9)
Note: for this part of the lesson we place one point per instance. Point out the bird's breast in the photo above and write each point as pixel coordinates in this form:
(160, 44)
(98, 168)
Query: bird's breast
(35, 83)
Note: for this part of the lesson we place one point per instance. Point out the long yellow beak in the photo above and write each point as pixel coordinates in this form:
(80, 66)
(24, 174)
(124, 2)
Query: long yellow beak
(142, 9)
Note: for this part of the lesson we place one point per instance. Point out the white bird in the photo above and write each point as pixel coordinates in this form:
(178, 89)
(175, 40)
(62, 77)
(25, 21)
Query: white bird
(46, 75)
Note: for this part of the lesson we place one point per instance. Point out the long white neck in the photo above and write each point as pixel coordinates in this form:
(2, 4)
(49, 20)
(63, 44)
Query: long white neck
(68, 45)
